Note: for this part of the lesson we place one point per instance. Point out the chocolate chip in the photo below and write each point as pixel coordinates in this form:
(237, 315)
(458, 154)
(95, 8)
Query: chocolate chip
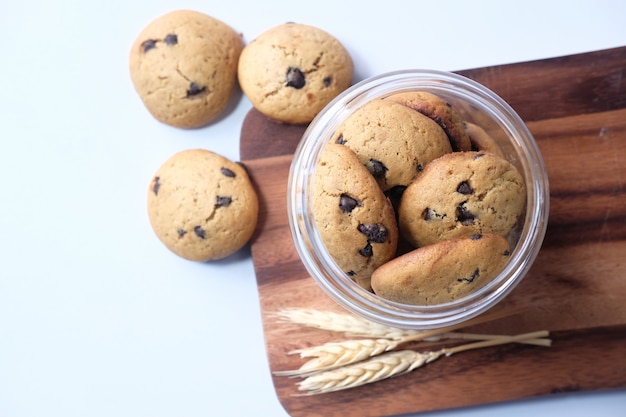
(295, 78)
(348, 203)
(374, 232)
(171, 39)
(367, 251)
(506, 253)
(464, 188)
(377, 169)
(479, 155)
(475, 275)
(430, 214)
(156, 186)
(223, 201)
(195, 89)
(351, 273)
(476, 236)
(199, 231)
(340, 140)
(181, 232)
(328, 81)
(227, 172)
(148, 44)
(395, 193)
(419, 167)
(464, 216)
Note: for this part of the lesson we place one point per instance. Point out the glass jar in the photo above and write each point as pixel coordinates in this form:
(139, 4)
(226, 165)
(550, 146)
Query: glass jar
(477, 104)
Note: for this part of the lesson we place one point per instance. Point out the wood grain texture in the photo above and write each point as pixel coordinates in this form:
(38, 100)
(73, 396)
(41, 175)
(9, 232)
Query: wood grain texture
(575, 107)
(559, 87)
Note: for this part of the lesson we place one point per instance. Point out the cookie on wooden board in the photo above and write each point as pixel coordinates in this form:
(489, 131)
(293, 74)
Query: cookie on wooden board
(202, 206)
(183, 65)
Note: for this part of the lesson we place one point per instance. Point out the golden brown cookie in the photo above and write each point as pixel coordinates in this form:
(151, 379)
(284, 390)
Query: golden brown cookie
(440, 111)
(442, 272)
(481, 140)
(460, 194)
(354, 218)
(202, 206)
(291, 71)
(393, 141)
(184, 67)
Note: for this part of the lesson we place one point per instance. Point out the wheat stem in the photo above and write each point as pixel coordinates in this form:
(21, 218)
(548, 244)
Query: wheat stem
(495, 342)
(476, 320)
(476, 336)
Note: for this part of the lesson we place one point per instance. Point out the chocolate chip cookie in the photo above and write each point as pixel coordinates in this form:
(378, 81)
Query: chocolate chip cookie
(440, 111)
(442, 272)
(460, 194)
(393, 141)
(291, 71)
(355, 220)
(481, 140)
(183, 65)
(202, 206)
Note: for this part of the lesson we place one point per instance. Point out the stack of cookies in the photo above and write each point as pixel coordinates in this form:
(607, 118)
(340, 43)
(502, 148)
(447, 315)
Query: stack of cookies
(414, 203)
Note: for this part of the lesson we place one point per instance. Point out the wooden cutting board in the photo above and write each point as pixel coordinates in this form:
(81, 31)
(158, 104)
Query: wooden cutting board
(576, 108)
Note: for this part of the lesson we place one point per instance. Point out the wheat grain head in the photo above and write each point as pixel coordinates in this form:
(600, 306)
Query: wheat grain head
(372, 370)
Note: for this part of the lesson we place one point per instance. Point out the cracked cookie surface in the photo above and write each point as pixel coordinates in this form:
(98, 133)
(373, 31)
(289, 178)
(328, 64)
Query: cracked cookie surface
(459, 194)
(393, 141)
(291, 71)
(202, 206)
(183, 65)
(354, 218)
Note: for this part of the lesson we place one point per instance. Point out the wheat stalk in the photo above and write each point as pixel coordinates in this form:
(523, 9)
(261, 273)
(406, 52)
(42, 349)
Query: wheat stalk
(348, 324)
(337, 354)
(341, 365)
(372, 370)
(475, 336)
(353, 326)
(391, 364)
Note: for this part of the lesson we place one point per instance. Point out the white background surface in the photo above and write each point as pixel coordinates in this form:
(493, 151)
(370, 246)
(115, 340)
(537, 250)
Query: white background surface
(97, 318)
